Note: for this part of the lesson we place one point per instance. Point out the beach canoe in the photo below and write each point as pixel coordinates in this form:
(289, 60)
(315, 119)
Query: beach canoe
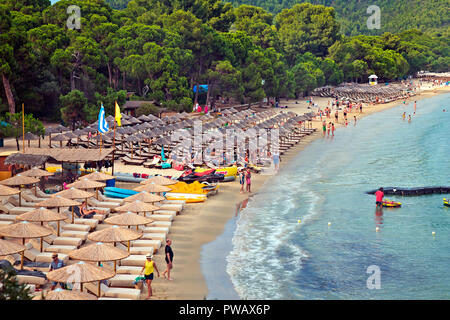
(120, 193)
(188, 197)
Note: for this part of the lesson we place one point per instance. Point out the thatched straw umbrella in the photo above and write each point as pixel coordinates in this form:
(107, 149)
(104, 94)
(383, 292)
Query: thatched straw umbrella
(128, 219)
(98, 176)
(153, 188)
(36, 173)
(162, 181)
(42, 215)
(25, 229)
(30, 136)
(8, 247)
(57, 202)
(81, 272)
(60, 137)
(87, 184)
(61, 294)
(19, 180)
(137, 206)
(74, 193)
(7, 191)
(99, 252)
(115, 234)
(144, 197)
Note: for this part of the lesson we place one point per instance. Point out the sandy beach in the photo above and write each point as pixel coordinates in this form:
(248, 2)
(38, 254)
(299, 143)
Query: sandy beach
(199, 224)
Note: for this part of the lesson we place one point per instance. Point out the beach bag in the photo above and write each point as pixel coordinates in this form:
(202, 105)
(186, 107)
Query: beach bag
(165, 165)
(139, 282)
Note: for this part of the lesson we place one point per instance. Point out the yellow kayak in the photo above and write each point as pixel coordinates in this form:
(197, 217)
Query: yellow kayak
(391, 204)
(192, 188)
(446, 202)
(188, 197)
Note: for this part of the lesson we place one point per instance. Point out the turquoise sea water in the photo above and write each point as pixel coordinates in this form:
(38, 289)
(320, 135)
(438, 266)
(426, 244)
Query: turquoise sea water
(265, 253)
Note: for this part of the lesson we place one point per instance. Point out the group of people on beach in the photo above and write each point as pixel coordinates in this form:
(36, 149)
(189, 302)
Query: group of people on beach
(245, 179)
(150, 267)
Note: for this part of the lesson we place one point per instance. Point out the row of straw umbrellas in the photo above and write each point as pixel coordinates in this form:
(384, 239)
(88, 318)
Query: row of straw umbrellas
(102, 250)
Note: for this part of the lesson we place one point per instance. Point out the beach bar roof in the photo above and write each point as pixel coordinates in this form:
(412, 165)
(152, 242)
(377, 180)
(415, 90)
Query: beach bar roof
(26, 159)
(68, 155)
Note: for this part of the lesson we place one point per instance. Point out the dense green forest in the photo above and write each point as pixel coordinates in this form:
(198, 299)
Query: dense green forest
(160, 50)
(396, 15)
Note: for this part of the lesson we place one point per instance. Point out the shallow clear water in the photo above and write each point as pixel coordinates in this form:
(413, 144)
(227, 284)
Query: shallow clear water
(273, 256)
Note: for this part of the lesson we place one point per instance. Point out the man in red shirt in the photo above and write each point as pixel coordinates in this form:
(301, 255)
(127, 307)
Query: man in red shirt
(379, 197)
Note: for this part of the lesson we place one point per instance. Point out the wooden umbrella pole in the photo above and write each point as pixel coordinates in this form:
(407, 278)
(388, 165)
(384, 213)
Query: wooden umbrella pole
(97, 193)
(21, 259)
(42, 243)
(23, 128)
(128, 246)
(115, 263)
(99, 288)
(72, 214)
(59, 227)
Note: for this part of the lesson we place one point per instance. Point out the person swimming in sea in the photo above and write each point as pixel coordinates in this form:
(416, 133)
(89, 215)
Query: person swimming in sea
(409, 118)
(404, 115)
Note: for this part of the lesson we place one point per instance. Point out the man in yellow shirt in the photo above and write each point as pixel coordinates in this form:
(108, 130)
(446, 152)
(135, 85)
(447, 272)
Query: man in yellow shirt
(148, 272)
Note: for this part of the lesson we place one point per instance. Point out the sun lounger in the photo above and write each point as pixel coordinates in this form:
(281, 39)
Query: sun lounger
(161, 217)
(49, 239)
(42, 194)
(14, 200)
(171, 207)
(147, 243)
(88, 222)
(7, 217)
(133, 260)
(25, 279)
(163, 224)
(142, 250)
(102, 197)
(31, 197)
(67, 241)
(128, 270)
(103, 204)
(163, 229)
(47, 257)
(76, 227)
(60, 248)
(128, 160)
(153, 163)
(122, 280)
(16, 210)
(108, 292)
(154, 236)
(75, 234)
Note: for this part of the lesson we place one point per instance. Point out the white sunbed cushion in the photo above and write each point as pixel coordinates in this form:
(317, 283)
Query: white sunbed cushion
(60, 249)
(71, 241)
(74, 234)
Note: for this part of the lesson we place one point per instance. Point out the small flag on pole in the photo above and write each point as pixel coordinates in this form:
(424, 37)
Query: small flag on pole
(102, 124)
(118, 115)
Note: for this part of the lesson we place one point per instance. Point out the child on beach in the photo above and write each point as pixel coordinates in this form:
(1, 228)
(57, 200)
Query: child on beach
(332, 129)
(242, 180)
(248, 178)
(409, 118)
(329, 128)
(404, 115)
(324, 127)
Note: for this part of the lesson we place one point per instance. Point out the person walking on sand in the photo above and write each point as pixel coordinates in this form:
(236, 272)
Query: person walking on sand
(354, 117)
(148, 268)
(336, 116)
(248, 179)
(242, 180)
(360, 107)
(332, 129)
(169, 259)
(379, 197)
(276, 160)
(324, 127)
